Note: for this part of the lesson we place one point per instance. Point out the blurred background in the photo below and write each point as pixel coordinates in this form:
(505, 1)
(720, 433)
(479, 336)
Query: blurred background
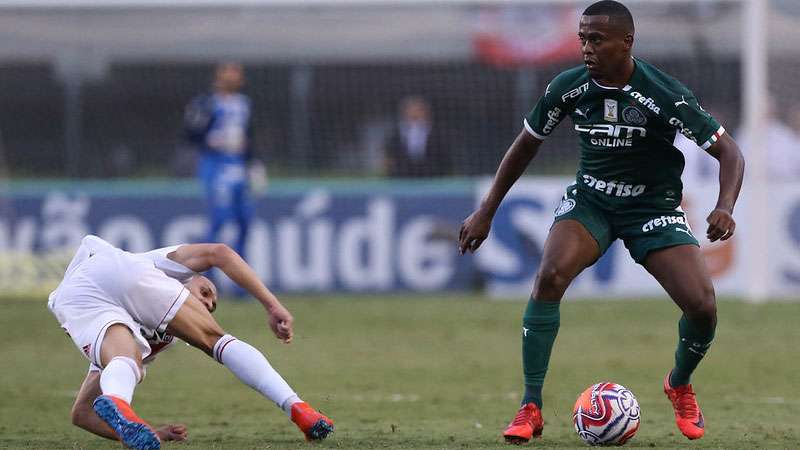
(376, 126)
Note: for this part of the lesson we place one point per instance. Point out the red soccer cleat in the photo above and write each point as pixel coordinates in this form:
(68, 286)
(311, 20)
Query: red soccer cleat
(131, 430)
(313, 424)
(688, 416)
(526, 425)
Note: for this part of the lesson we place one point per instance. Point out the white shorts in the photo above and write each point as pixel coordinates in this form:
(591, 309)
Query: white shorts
(116, 287)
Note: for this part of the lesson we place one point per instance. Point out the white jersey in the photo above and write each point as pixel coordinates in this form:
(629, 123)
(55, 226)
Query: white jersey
(104, 285)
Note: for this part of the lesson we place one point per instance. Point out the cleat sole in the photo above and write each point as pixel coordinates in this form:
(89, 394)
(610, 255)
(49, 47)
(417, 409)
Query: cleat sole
(137, 436)
(516, 440)
(320, 430)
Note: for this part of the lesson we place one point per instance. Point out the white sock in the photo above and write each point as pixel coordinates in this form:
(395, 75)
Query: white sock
(253, 369)
(119, 378)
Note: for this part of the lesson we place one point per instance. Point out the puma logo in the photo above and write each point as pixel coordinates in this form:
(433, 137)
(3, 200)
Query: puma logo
(682, 102)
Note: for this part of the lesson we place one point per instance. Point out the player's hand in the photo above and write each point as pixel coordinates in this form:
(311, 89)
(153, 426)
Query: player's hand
(204, 290)
(280, 321)
(172, 432)
(720, 225)
(474, 231)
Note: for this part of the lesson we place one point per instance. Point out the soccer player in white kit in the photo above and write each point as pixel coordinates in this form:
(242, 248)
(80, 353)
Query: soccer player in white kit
(122, 308)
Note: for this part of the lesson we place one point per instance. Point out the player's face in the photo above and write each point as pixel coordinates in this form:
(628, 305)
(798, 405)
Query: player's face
(416, 112)
(605, 47)
(230, 77)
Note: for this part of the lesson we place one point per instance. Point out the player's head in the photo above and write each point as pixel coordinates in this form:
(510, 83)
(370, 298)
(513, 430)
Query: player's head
(606, 32)
(415, 109)
(229, 77)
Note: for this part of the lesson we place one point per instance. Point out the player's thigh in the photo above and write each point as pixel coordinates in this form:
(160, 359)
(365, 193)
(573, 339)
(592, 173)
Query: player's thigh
(580, 234)
(195, 325)
(119, 340)
(682, 272)
(570, 247)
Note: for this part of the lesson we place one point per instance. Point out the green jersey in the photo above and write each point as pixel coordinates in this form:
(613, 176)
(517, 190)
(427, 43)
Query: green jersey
(628, 158)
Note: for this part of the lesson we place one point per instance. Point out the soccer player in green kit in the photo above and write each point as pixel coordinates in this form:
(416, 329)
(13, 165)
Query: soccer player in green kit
(627, 114)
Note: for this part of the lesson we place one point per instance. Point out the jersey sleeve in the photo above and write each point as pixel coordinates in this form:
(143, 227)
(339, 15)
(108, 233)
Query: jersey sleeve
(690, 119)
(549, 111)
(170, 268)
(196, 119)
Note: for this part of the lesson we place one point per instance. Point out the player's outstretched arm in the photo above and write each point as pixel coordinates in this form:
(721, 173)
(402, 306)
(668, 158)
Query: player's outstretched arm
(731, 173)
(202, 257)
(475, 228)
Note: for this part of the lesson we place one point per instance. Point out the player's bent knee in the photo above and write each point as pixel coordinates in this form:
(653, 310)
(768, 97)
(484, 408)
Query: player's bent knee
(80, 415)
(118, 341)
(551, 282)
(707, 310)
(703, 306)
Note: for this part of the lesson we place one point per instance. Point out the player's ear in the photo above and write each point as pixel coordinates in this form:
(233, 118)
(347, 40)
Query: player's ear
(628, 40)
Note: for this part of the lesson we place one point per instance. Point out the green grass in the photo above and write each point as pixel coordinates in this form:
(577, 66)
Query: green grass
(421, 373)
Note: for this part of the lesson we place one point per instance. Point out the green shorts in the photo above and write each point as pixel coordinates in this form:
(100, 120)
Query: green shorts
(642, 230)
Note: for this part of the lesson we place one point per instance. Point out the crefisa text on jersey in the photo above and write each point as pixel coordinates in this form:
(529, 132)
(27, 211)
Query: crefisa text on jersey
(552, 120)
(615, 188)
(647, 102)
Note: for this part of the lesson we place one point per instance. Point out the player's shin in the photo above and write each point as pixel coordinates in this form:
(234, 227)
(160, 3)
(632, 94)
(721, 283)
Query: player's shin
(119, 378)
(252, 368)
(539, 329)
(694, 340)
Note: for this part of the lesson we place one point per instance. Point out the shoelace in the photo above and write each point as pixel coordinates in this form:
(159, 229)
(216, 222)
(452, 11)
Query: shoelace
(687, 406)
(523, 416)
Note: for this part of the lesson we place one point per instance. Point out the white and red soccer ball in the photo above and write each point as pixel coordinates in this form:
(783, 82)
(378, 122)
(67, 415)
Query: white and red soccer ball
(606, 414)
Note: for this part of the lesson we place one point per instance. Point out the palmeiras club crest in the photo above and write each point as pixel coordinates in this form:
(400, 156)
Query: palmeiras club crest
(633, 116)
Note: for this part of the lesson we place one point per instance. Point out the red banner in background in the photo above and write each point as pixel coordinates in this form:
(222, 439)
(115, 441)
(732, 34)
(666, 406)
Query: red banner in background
(526, 35)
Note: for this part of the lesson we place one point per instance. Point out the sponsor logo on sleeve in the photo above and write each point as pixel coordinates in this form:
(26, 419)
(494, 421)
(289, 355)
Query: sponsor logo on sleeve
(553, 117)
(677, 123)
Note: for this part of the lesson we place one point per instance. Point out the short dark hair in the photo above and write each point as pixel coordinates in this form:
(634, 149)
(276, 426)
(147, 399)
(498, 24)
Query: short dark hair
(619, 13)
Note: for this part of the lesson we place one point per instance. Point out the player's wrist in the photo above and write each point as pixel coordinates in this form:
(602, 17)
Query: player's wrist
(724, 207)
(487, 209)
(272, 305)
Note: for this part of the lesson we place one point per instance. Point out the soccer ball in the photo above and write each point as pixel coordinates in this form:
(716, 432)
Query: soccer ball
(606, 414)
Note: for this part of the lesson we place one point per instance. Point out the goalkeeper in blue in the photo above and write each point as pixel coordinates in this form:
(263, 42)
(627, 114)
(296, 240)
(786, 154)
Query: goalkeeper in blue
(218, 124)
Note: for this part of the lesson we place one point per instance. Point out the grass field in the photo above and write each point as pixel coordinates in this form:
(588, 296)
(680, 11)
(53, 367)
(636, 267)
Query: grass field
(438, 373)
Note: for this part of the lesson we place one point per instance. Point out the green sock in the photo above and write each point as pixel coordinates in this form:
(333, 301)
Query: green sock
(694, 340)
(539, 329)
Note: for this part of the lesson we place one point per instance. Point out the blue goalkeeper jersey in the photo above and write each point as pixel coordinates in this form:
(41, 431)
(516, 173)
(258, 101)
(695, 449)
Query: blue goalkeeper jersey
(219, 126)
